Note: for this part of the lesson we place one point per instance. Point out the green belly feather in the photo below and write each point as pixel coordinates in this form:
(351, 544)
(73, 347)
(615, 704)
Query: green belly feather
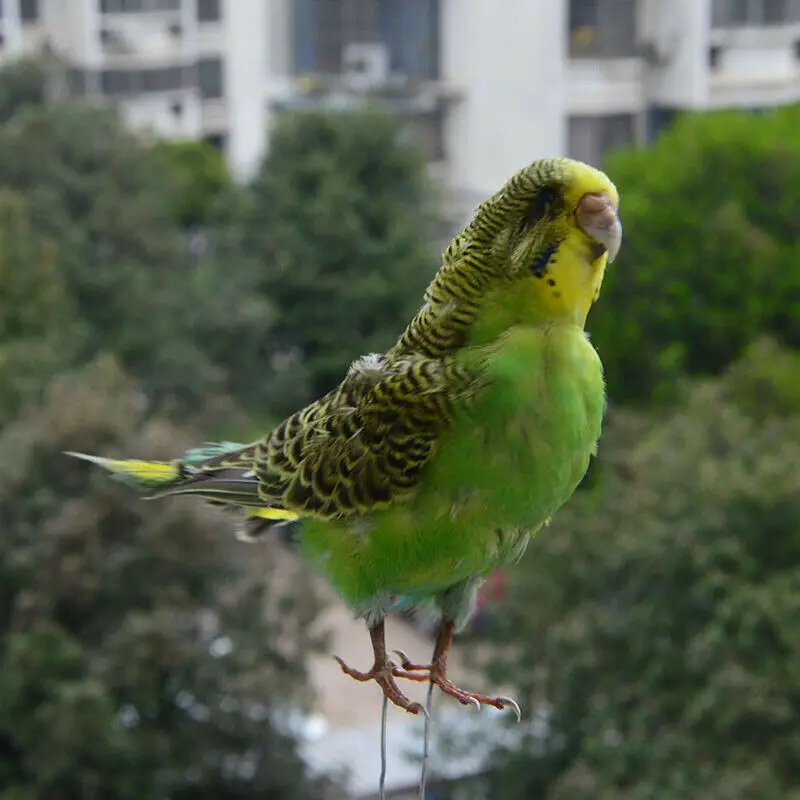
(507, 464)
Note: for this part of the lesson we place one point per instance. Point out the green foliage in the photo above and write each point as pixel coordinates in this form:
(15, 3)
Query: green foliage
(136, 660)
(39, 327)
(23, 84)
(143, 653)
(110, 205)
(338, 225)
(107, 203)
(766, 380)
(711, 257)
(656, 623)
(203, 176)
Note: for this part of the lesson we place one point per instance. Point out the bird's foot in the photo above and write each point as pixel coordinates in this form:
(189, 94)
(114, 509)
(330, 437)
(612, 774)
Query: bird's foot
(438, 676)
(384, 675)
(472, 698)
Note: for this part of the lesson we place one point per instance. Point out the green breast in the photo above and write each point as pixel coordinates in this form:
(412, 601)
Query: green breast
(506, 465)
(525, 445)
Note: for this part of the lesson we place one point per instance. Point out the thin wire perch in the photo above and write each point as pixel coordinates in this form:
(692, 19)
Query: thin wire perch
(426, 741)
(382, 782)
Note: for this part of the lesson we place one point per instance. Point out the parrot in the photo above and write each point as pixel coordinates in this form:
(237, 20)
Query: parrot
(434, 463)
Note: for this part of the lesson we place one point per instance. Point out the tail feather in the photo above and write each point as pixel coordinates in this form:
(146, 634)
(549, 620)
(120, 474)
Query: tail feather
(232, 486)
(140, 474)
(218, 473)
(259, 522)
(220, 455)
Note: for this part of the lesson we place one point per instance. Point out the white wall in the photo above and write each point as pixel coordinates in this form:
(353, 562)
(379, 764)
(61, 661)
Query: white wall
(757, 67)
(73, 29)
(11, 31)
(246, 33)
(510, 65)
(679, 29)
(604, 86)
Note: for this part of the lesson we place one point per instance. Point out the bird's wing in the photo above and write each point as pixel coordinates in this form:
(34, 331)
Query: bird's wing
(363, 446)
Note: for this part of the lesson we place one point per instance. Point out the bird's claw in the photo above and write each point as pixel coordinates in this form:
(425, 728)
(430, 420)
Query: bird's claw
(508, 702)
(408, 665)
(473, 699)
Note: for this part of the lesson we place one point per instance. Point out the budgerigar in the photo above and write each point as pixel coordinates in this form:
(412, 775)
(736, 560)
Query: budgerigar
(434, 463)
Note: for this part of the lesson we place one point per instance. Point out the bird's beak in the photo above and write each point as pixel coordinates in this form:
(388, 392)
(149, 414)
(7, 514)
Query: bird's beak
(597, 218)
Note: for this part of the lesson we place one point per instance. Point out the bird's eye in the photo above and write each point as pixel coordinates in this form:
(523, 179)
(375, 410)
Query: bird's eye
(546, 203)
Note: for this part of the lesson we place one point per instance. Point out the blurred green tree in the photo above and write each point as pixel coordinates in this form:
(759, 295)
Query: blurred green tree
(108, 201)
(653, 630)
(338, 223)
(40, 332)
(202, 175)
(137, 659)
(23, 83)
(711, 258)
(188, 325)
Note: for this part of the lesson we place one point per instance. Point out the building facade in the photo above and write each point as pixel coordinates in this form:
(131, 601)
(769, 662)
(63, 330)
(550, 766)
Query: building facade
(485, 86)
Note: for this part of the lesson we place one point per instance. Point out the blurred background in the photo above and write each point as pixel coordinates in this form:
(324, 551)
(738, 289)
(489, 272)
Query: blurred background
(209, 207)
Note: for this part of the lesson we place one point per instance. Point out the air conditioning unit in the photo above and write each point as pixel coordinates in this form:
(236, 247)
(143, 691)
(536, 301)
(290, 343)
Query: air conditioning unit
(365, 66)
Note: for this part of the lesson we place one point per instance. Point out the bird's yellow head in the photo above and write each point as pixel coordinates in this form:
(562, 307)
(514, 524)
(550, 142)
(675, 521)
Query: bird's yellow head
(549, 232)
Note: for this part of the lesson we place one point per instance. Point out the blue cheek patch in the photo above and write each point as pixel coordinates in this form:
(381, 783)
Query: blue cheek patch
(538, 267)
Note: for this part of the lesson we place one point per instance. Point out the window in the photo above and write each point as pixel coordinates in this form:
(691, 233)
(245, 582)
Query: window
(602, 28)
(209, 77)
(208, 11)
(409, 29)
(584, 14)
(29, 10)
(138, 6)
(163, 79)
(744, 13)
(131, 81)
(590, 138)
(117, 81)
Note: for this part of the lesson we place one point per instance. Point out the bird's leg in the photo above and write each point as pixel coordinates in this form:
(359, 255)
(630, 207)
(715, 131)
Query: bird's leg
(382, 671)
(437, 673)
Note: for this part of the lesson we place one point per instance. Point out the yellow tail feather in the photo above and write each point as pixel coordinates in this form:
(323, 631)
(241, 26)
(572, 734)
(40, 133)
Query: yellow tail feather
(143, 473)
(271, 513)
